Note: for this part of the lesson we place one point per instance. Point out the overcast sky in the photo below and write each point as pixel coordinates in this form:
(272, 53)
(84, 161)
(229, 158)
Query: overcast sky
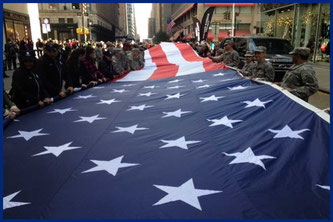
(142, 13)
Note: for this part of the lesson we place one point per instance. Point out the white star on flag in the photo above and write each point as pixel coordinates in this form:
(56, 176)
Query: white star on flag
(8, 203)
(256, 103)
(247, 156)
(178, 113)
(288, 132)
(111, 166)
(119, 90)
(323, 187)
(128, 85)
(174, 96)
(89, 119)
(62, 111)
(109, 102)
(180, 142)
(185, 192)
(57, 150)
(219, 74)
(175, 87)
(237, 88)
(130, 129)
(141, 107)
(150, 87)
(198, 81)
(176, 80)
(84, 97)
(223, 121)
(211, 98)
(203, 86)
(146, 94)
(98, 87)
(28, 135)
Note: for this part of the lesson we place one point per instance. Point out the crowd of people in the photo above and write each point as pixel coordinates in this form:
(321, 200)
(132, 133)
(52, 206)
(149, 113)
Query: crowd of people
(63, 66)
(299, 80)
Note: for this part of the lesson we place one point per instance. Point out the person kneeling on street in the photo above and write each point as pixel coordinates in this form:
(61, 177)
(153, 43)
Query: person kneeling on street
(105, 66)
(119, 62)
(27, 87)
(250, 65)
(135, 61)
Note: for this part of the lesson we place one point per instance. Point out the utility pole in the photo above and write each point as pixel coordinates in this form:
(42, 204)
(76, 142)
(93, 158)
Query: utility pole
(84, 10)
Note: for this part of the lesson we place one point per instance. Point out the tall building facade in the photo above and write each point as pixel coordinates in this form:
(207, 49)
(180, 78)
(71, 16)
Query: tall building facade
(159, 16)
(130, 21)
(247, 19)
(16, 23)
(303, 24)
(102, 19)
(123, 19)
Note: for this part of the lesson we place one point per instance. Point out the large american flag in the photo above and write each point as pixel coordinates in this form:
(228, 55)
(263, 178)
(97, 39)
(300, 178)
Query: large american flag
(182, 138)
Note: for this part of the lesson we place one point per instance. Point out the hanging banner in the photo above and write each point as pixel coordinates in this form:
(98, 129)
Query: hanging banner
(205, 23)
(196, 28)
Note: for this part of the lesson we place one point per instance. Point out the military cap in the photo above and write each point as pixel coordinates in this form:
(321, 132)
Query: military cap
(249, 53)
(28, 57)
(51, 47)
(228, 42)
(260, 49)
(302, 51)
(108, 53)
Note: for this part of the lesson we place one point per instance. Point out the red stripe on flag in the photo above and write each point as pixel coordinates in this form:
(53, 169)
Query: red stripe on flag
(190, 56)
(164, 68)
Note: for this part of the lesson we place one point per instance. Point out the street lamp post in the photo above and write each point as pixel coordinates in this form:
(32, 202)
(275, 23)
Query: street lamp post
(84, 10)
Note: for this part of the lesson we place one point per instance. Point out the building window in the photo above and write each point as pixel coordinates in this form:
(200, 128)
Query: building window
(70, 21)
(52, 6)
(76, 6)
(65, 7)
(245, 10)
(62, 20)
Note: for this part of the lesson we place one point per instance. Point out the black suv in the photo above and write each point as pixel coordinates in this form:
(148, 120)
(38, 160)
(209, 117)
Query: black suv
(277, 51)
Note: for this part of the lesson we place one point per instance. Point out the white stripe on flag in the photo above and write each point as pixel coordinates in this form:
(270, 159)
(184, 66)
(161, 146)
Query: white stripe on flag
(144, 73)
(174, 56)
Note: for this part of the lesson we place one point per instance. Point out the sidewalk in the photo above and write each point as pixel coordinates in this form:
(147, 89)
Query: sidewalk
(323, 75)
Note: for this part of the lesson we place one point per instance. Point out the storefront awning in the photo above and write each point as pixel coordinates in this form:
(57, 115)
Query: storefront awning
(242, 32)
(189, 36)
(210, 35)
(230, 4)
(222, 34)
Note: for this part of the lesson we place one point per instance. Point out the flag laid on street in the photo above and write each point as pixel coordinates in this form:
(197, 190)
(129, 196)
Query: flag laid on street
(206, 145)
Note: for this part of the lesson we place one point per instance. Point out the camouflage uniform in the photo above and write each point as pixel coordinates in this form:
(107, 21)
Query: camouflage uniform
(301, 79)
(135, 62)
(119, 64)
(249, 69)
(230, 58)
(264, 70)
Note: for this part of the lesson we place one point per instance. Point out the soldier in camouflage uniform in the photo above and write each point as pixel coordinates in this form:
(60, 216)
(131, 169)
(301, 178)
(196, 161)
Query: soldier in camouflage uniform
(229, 57)
(119, 62)
(217, 50)
(300, 79)
(250, 66)
(135, 61)
(264, 69)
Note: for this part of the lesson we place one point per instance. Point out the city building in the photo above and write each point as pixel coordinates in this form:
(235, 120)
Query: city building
(16, 22)
(159, 16)
(64, 18)
(247, 19)
(303, 24)
(123, 20)
(130, 21)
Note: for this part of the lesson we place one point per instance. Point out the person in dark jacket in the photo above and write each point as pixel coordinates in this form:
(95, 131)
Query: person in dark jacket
(105, 66)
(204, 51)
(10, 51)
(91, 73)
(39, 46)
(74, 67)
(27, 87)
(52, 72)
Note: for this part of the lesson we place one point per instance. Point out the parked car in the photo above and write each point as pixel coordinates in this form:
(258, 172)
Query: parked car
(277, 51)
